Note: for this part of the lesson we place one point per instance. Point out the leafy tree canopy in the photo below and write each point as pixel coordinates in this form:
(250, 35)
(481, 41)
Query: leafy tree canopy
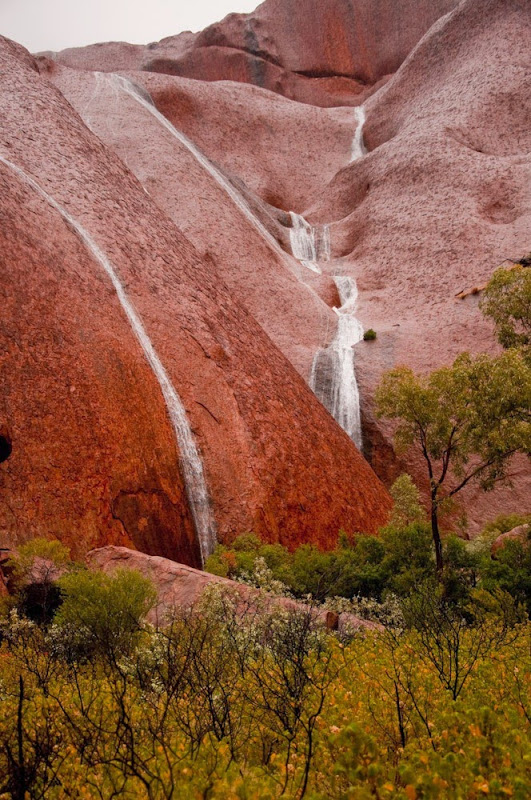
(507, 301)
(467, 419)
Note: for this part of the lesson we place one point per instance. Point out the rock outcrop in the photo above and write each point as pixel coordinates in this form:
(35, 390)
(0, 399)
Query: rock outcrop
(188, 200)
(326, 54)
(179, 588)
(522, 534)
(223, 218)
(95, 458)
(441, 199)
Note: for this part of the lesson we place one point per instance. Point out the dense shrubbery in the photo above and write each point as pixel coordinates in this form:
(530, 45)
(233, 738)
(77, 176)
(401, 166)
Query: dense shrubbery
(368, 566)
(246, 699)
(397, 562)
(227, 702)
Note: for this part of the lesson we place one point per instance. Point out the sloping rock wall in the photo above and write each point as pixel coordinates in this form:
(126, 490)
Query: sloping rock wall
(321, 53)
(94, 458)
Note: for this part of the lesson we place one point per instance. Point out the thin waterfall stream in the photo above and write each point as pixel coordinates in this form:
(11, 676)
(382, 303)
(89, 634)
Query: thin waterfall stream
(309, 245)
(358, 145)
(190, 460)
(333, 375)
(142, 96)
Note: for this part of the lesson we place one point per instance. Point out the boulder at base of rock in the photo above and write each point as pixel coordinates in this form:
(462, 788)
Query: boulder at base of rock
(522, 533)
(180, 587)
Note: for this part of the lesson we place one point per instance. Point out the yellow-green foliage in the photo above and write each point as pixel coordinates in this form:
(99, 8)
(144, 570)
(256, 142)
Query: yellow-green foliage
(50, 550)
(407, 507)
(507, 301)
(221, 706)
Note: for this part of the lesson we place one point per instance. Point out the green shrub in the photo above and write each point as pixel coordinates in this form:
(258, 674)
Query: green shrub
(408, 558)
(510, 571)
(248, 542)
(35, 570)
(396, 562)
(407, 507)
(369, 335)
(103, 614)
(51, 550)
(503, 524)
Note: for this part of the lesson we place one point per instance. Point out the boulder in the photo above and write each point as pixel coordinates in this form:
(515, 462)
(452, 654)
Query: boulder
(180, 587)
(522, 533)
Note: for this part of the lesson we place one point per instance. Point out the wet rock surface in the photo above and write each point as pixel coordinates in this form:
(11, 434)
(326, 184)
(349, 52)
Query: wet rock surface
(94, 458)
(200, 238)
(323, 54)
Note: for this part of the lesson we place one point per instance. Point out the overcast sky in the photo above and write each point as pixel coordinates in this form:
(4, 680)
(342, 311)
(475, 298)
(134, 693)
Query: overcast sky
(56, 24)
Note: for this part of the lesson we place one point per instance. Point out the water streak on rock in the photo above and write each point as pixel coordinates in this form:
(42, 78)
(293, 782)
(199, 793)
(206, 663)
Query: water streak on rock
(358, 145)
(309, 244)
(333, 378)
(142, 96)
(191, 464)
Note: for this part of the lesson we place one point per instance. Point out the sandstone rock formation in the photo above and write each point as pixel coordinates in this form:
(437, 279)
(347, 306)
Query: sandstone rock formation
(188, 198)
(318, 53)
(180, 587)
(94, 455)
(519, 534)
(440, 200)
(243, 243)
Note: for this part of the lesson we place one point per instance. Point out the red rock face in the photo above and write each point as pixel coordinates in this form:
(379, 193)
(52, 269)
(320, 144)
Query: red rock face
(94, 458)
(441, 198)
(291, 303)
(324, 54)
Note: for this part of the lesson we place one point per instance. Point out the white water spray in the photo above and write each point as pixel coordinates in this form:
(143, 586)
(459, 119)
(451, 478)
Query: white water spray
(358, 146)
(309, 244)
(333, 378)
(190, 459)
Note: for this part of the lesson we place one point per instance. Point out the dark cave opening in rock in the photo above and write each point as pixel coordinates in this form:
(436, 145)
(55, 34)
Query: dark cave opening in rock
(5, 448)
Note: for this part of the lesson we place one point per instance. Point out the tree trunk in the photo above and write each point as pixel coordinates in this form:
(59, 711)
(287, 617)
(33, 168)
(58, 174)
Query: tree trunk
(435, 532)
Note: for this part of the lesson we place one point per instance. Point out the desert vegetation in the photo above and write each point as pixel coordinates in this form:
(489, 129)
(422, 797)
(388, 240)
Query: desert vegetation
(469, 419)
(161, 307)
(233, 698)
(243, 696)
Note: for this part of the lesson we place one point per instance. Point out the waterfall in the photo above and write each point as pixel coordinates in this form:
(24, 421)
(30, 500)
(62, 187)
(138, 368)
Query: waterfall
(142, 96)
(358, 147)
(333, 378)
(191, 464)
(309, 244)
(322, 242)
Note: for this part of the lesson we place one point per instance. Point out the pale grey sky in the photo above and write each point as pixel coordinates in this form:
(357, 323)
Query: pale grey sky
(56, 24)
